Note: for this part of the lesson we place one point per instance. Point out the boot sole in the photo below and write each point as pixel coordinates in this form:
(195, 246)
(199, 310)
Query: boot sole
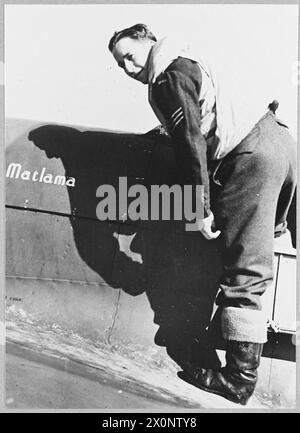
(184, 376)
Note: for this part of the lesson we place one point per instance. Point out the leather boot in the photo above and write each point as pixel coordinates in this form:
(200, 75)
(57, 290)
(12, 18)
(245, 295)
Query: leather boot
(236, 381)
(190, 354)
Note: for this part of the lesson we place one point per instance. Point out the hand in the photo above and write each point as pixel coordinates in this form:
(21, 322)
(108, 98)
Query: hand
(206, 225)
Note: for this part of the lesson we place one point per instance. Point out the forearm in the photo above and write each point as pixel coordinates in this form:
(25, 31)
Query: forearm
(190, 154)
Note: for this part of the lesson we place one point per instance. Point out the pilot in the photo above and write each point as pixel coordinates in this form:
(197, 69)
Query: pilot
(247, 167)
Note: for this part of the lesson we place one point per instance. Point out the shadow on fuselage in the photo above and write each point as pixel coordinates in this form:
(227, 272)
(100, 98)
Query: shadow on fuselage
(179, 271)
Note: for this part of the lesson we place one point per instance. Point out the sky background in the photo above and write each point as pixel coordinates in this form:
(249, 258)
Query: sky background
(58, 67)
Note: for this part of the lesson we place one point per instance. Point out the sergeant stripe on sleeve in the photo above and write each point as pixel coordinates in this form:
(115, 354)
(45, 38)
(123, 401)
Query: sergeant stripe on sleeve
(178, 121)
(176, 112)
(175, 119)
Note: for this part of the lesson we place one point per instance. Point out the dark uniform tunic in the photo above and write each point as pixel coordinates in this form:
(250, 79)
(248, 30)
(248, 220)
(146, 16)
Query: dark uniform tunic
(175, 99)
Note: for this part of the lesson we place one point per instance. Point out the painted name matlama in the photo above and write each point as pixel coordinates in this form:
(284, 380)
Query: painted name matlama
(14, 171)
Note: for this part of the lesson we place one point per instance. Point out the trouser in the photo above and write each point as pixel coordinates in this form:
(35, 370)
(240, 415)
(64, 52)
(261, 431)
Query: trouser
(252, 189)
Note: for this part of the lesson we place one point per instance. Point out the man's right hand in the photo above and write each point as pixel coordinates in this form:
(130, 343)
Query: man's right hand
(206, 225)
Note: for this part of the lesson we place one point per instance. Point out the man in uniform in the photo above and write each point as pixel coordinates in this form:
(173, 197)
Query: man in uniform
(248, 174)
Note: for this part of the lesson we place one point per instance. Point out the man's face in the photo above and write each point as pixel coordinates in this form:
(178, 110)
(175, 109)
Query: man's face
(132, 55)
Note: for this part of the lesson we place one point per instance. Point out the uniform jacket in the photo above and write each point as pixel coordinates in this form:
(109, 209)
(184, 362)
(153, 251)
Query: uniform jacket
(188, 118)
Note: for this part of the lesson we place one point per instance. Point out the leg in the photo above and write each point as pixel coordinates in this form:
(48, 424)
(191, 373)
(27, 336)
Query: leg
(254, 186)
(255, 198)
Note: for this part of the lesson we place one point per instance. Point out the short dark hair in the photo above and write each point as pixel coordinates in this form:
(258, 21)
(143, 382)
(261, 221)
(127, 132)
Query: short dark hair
(138, 31)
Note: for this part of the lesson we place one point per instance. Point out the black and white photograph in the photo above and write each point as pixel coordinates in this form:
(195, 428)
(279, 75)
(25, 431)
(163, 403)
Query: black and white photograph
(150, 210)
